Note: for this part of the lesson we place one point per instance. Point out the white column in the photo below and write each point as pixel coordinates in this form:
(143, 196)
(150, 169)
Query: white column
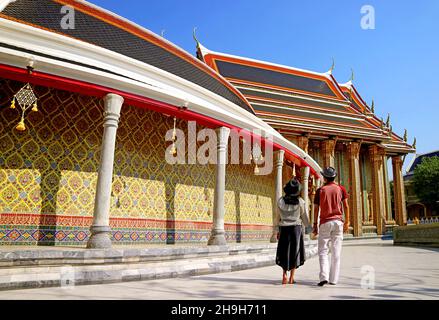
(278, 164)
(305, 178)
(100, 228)
(217, 235)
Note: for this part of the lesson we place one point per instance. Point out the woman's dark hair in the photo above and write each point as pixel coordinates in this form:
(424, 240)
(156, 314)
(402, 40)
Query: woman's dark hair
(292, 192)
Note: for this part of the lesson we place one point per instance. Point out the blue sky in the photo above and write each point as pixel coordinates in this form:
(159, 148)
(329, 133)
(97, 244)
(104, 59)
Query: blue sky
(396, 64)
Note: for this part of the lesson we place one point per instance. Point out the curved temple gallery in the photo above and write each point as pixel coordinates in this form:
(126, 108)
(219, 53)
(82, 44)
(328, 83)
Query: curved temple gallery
(84, 116)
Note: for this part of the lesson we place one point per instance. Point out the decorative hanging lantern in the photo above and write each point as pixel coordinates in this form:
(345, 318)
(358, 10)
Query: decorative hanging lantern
(173, 150)
(26, 99)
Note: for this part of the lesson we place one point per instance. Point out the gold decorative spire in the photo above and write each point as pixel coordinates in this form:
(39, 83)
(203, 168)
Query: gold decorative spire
(414, 143)
(405, 135)
(352, 75)
(194, 35)
(388, 120)
(332, 66)
(373, 106)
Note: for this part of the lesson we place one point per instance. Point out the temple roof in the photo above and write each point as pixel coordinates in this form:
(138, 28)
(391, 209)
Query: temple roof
(107, 30)
(296, 101)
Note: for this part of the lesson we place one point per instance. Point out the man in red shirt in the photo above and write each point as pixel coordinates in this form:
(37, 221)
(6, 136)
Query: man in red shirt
(330, 200)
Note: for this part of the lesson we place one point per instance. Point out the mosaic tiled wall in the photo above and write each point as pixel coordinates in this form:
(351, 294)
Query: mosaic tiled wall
(48, 175)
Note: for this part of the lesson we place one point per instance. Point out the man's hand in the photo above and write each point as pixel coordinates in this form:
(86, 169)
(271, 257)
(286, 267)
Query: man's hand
(346, 227)
(315, 229)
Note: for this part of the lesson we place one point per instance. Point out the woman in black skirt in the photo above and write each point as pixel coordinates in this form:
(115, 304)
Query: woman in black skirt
(290, 249)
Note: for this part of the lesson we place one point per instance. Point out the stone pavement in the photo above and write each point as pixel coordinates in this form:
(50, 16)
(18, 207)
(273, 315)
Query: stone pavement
(400, 273)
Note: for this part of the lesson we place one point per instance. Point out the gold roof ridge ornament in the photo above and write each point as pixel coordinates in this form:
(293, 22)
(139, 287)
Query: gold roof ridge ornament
(194, 35)
(352, 76)
(25, 97)
(332, 67)
(388, 121)
(372, 108)
(414, 143)
(405, 135)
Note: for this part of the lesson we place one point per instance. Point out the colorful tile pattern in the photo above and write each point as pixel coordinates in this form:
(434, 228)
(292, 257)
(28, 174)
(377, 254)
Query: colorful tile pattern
(48, 176)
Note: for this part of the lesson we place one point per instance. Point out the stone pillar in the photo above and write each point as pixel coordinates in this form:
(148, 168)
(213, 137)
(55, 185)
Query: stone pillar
(376, 154)
(217, 234)
(305, 191)
(398, 192)
(355, 187)
(100, 229)
(328, 152)
(302, 142)
(278, 165)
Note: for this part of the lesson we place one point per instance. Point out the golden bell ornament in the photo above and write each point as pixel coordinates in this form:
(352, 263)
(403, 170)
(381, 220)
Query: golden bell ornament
(256, 169)
(34, 107)
(173, 150)
(20, 126)
(13, 103)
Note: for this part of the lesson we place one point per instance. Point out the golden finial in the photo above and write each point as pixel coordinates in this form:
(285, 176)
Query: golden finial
(414, 143)
(388, 120)
(20, 126)
(194, 35)
(256, 169)
(352, 75)
(34, 107)
(332, 66)
(13, 103)
(373, 106)
(405, 135)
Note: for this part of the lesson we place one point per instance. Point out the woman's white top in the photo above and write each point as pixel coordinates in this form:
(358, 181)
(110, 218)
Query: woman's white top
(292, 214)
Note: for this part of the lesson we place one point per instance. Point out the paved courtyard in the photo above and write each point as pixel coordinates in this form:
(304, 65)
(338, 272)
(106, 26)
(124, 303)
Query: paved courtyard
(395, 272)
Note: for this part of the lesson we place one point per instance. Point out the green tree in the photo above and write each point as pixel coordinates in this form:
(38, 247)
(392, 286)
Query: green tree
(426, 181)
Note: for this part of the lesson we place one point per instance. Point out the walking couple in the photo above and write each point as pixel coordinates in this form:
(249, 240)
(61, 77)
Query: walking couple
(329, 202)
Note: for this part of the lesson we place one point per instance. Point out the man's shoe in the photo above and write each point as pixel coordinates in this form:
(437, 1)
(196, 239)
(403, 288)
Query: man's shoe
(333, 284)
(322, 283)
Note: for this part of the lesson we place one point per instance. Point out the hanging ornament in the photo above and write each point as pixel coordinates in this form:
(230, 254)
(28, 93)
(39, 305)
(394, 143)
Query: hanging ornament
(20, 126)
(26, 99)
(256, 169)
(173, 150)
(13, 103)
(294, 170)
(174, 131)
(34, 107)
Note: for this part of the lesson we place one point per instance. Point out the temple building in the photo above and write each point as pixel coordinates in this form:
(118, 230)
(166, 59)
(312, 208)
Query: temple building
(332, 123)
(87, 99)
(415, 207)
